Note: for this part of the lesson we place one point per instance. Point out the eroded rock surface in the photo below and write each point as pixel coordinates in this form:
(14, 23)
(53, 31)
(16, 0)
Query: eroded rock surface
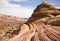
(43, 25)
(38, 31)
(9, 26)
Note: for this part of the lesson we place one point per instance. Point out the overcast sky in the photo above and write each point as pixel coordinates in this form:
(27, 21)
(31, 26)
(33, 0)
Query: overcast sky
(22, 8)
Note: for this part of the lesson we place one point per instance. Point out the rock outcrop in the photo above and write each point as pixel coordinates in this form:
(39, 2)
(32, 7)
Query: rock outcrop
(44, 10)
(43, 25)
(10, 26)
(38, 30)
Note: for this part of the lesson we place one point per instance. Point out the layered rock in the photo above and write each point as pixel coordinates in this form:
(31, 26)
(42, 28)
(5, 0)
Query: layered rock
(9, 26)
(43, 25)
(44, 10)
(38, 30)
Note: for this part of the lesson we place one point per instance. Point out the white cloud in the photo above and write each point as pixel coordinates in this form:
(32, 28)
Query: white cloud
(58, 7)
(19, 0)
(14, 9)
(7, 4)
(20, 12)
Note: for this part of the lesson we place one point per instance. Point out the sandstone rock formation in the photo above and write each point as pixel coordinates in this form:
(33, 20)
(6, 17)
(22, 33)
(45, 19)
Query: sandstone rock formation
(44, 10)
(43, 25)
(9, 26)
(38, 30)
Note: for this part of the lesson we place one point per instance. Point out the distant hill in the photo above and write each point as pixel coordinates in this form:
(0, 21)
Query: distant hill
(7, 18)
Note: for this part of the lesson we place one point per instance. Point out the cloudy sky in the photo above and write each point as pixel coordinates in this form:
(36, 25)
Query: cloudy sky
(22, 8)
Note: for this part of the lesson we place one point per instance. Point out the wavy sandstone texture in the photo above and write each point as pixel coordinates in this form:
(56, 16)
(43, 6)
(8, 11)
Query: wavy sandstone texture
(38, 31)
(9, 26)
(44, 10)
(43, 25)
